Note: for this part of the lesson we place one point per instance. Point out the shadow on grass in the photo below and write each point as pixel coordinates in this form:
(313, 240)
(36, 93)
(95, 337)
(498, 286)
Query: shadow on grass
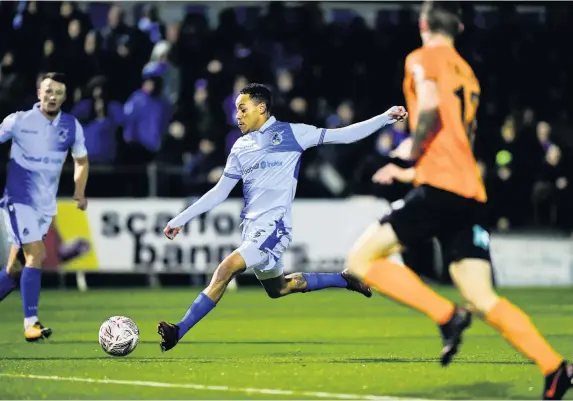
(475, 391)
(427, 360)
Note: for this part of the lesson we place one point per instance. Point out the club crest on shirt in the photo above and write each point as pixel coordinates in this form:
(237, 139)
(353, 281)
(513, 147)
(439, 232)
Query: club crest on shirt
(277, 138)
(62, 135)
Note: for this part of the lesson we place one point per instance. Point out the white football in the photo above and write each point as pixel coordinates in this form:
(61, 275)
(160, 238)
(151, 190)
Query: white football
(118, 336)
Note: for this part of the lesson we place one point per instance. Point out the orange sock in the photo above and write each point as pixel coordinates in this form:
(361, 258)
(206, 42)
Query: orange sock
(516, 327)
(403, 285)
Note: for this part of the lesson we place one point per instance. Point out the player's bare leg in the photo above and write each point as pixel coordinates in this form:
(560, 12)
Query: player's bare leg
(305, 282)
(30, 285)
(473, 278)
(231, 266)
(171, 333)
(10, 276)
(369, 260)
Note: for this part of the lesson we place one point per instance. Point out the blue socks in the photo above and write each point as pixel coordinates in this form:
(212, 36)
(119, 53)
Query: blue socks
(318, 281)
(203, 304)
(197, 311)
(30, 285)
(7, 284)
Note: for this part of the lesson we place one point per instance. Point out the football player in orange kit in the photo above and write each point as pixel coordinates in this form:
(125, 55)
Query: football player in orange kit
(448, 202)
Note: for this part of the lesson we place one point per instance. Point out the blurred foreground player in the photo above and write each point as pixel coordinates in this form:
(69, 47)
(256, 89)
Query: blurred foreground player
(41, 138)
(448, 202)
(267, 158)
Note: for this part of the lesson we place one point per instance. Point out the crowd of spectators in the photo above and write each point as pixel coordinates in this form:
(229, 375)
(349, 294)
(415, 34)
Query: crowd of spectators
(157, 99)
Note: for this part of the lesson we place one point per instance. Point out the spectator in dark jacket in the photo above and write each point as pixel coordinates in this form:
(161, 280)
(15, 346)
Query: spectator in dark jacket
(101, 119)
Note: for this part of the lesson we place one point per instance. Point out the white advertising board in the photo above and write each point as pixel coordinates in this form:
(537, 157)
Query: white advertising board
(127, 235)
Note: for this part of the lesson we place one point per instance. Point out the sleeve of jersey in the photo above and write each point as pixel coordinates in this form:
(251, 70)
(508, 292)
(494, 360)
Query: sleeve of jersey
(232, 168)
(308, 136)
(422, 66)
(214, 197)
(79, 149)
(7, 128)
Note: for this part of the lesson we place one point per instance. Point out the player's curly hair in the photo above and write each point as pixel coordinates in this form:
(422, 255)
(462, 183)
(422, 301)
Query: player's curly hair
(443, 16)
(259, 93)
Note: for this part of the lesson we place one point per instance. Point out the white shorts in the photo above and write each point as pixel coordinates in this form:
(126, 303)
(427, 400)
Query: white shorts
(25, 225)
(264, 242)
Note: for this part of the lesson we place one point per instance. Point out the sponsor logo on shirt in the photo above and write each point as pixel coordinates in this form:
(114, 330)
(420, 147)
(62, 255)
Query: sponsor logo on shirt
(252, 168)
(276, 163)
(263, 165)
(45, 159)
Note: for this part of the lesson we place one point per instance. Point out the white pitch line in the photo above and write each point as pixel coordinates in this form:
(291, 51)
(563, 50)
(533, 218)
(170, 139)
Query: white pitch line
(316, 394)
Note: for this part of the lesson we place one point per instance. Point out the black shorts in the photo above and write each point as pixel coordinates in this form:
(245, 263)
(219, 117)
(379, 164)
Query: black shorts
(457, 222)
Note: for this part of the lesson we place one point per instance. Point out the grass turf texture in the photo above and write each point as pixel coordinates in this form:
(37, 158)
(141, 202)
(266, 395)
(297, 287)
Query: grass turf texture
(331, 341)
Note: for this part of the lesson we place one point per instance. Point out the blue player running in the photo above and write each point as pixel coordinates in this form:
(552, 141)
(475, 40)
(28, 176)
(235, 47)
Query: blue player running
(267, 158)
(41, 138)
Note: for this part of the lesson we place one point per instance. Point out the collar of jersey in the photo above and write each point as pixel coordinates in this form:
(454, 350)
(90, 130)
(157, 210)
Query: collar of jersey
(56, 120)
(267, 124)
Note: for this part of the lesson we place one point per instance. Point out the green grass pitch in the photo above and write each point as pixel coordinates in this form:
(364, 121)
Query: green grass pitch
(324, 345)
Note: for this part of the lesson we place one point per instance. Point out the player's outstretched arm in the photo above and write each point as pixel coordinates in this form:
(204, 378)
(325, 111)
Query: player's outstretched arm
(308, 136)
(212, 198)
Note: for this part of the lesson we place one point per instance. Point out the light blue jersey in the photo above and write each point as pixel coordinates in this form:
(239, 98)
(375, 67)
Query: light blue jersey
(268, 162)
(39, 150)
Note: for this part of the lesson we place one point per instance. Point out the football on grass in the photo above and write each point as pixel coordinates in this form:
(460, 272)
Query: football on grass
(118, 336)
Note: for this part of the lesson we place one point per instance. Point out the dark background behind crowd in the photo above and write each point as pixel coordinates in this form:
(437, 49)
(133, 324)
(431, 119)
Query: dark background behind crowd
(156, 97)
